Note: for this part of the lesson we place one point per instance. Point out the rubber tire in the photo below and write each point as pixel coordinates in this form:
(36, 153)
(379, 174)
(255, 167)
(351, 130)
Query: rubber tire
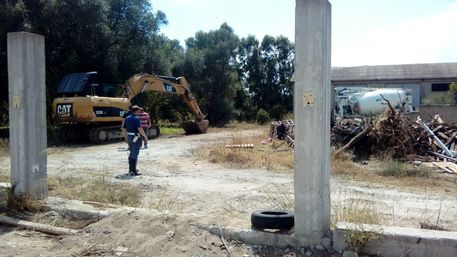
(272, 219)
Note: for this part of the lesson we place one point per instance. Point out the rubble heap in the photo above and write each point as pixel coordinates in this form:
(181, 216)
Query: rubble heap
(394, 135)
(391, 134)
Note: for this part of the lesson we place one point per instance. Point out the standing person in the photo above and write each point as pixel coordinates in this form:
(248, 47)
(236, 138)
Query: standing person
(124, 116)
(133, 133)
(145, 121)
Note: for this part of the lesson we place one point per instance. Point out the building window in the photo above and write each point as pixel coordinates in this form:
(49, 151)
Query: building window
(440, 87)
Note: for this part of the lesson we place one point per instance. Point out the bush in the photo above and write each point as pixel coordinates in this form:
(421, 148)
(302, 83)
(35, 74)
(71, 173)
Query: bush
(393, 168)
(453, 89)
(439, 98)
(399, 169)
(262, 117)
(277, 112)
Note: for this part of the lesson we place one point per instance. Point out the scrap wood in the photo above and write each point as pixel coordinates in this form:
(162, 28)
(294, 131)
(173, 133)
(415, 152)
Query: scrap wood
(353, 141)
(451, 139)
(240, 146)
(37, 226)
(445, 157)
(290, 141)
(437, 140)
(449, 167)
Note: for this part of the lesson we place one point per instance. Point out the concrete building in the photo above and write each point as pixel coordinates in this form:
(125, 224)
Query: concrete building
(422, 79)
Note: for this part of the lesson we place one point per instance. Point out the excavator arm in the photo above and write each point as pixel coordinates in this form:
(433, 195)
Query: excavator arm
(139, 83)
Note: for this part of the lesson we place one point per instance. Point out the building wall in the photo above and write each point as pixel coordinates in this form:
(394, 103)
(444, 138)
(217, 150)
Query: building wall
(448, 113)
(425, 86)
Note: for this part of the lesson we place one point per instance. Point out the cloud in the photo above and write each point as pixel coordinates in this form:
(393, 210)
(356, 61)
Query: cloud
(431, 38)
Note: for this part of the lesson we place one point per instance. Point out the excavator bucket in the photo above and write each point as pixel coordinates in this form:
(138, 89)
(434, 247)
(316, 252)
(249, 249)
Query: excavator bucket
(193, 127)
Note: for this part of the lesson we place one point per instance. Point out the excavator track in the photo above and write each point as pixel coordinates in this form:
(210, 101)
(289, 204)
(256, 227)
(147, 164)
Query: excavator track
(100, 135)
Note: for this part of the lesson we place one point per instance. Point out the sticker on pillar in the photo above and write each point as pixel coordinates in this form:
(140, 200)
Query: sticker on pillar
(35, 168)
(308, 99)
(16, 102)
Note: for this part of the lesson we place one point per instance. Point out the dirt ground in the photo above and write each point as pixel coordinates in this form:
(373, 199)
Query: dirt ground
(187, 190)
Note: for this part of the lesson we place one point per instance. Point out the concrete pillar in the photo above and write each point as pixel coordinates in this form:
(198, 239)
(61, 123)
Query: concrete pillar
(312, 101)
(27, 113)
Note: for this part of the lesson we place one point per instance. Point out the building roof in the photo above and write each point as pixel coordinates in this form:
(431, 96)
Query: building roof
(396, 72)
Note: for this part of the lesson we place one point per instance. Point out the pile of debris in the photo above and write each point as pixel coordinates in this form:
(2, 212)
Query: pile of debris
(394, 135)
(283, 130)
(391, 135)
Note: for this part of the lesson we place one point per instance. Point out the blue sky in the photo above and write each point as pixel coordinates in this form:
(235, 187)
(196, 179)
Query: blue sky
(364, 32)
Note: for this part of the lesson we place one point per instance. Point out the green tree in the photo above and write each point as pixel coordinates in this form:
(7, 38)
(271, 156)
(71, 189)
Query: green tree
(12, 17)
(118, 38)
(262, 117)
(277, 57)
(265, 72)
(210, 66)
(250, 74)
(453, 89)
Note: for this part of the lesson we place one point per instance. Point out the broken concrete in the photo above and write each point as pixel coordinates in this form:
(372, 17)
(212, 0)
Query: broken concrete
(398, 241)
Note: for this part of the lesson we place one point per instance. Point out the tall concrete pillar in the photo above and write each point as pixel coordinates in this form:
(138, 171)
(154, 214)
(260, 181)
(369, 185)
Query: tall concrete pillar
(27, 113)
(312, 95)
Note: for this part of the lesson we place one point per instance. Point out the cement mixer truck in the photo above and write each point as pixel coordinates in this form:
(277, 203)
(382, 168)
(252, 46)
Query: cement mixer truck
(365, 102)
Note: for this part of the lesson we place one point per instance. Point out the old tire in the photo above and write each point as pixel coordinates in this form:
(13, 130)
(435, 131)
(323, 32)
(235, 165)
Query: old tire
(272, 219)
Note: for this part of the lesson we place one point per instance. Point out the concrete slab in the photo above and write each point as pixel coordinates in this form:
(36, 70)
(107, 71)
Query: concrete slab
(75, 209)
(398, 241)
(27, 113)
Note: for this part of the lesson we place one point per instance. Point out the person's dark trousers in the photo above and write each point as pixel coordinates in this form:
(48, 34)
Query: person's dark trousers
(133, 155)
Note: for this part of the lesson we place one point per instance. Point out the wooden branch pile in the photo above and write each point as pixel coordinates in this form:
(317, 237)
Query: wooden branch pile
(393, 135)
(344, 131)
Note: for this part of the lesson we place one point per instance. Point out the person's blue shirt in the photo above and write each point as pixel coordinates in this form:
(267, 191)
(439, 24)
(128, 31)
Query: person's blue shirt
(126, 114)
(132, 123)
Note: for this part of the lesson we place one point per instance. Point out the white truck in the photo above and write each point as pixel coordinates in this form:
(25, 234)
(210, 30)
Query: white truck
(365, 102)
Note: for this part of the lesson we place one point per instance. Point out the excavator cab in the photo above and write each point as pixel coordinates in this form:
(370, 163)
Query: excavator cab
(85, 83)
(77, 84)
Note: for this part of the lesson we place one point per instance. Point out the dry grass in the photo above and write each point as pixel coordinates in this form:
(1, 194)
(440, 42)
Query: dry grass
(3, 148)
(261, 156)
(281, 196)
(399, 169)
(22, 203)
(98, 189)
(4, 178)
(278, 157)
(342, 164)
(239, 126)
(358, 212)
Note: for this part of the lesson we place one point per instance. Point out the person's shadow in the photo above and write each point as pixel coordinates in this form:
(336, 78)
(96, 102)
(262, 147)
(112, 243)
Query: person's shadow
(124, 177)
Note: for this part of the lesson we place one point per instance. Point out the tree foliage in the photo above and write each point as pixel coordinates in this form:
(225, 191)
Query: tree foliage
(265, 71)
(231, 77)
(210, 64)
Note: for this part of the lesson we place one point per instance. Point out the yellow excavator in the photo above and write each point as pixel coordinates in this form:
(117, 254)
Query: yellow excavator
(87, 108)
